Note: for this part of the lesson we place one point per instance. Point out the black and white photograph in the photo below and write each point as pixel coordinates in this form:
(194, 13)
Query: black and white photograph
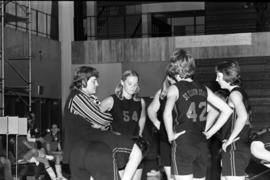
(134, 90)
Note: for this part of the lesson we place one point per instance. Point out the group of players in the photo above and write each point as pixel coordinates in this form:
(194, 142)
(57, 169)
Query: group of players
(103, 139)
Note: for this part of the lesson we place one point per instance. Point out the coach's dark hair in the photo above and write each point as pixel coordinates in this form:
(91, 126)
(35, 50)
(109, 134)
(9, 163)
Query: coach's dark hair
(82, 75)
(230, 70)
(181, 63)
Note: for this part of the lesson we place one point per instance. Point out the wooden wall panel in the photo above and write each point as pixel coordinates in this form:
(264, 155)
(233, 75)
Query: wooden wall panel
(122, 50)
(132, 50)
(149, 57)
(259, 47)
(81, 55)
(159, 49)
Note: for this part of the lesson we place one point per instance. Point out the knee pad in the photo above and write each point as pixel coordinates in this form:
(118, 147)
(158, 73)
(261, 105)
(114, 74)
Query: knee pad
(142, 143)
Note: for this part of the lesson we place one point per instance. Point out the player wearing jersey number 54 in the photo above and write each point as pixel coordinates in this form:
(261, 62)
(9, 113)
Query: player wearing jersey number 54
(127, 109)
(190, 151)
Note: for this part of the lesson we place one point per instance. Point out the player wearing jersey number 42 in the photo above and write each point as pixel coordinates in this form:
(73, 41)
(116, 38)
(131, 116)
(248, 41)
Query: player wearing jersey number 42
(190, 151)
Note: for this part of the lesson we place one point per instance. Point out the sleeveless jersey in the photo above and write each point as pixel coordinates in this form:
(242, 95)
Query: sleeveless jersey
(126, 114)
(191, 109)
(162, 130)
(229, 125)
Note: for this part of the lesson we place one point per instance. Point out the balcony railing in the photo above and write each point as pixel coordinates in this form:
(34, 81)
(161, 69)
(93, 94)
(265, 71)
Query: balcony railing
(112, 25)
(42, 22)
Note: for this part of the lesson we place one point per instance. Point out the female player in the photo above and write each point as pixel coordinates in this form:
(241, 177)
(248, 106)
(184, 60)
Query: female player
(127, 109)
(155, 113)
(236, 155)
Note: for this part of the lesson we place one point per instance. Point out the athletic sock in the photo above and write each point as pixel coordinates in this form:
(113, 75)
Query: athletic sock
(51, 173)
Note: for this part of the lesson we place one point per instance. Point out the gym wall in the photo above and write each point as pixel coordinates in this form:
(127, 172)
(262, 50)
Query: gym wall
(149, 56)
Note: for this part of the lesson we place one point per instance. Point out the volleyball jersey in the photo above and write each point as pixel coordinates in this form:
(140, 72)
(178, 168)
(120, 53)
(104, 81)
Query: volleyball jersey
(126, 115)
(191, 109)
(229, 125)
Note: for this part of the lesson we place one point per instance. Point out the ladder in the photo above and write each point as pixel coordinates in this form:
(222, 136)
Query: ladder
(27, 81)
(15, 90)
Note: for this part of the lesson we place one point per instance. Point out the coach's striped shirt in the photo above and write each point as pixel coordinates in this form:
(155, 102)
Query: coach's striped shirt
(88, 107)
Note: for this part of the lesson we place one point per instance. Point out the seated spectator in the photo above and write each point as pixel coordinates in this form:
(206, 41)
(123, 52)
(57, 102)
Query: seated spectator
(53, 147)
(5, 163)
(34, 149)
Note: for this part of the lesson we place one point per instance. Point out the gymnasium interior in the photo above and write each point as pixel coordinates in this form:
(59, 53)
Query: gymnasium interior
(44, 42)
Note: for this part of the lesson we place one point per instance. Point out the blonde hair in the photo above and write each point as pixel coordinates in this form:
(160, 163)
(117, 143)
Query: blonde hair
(119, 88)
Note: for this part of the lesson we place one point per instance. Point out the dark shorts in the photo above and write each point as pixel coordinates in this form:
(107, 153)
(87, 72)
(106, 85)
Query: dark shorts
(120, 145)
(92, 158)
(235, 162)
(189, 158)
(165, 153)
(121, 154)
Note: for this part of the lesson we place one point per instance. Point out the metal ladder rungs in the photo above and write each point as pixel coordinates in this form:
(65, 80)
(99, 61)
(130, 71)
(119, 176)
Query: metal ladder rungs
(17, 87)
(22, 58)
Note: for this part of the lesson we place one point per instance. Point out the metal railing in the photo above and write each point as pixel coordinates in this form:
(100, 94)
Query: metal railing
(41, 21)
(118, 25)
(115, 26)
